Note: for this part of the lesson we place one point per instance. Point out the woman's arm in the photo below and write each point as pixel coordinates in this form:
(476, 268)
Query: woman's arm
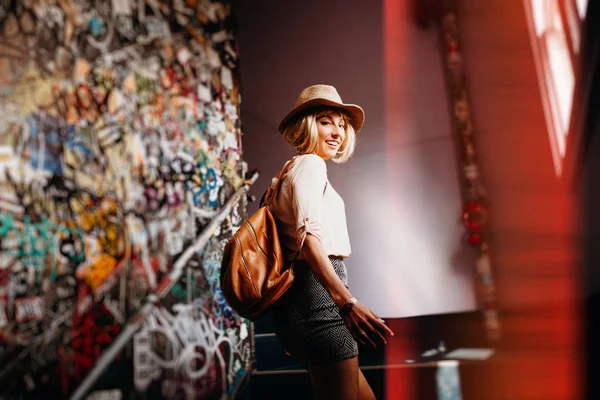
(314, 253)
(308, 181)
(362, 322)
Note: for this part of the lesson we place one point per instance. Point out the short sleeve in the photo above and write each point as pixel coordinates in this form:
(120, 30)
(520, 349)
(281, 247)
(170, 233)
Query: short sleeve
(308, 178)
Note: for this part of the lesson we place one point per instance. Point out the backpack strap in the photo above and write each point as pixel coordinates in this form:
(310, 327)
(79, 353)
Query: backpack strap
(271, 192)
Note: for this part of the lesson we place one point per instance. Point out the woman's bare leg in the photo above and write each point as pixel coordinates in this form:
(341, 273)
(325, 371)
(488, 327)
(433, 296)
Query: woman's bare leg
(364, 390)
(336, 381)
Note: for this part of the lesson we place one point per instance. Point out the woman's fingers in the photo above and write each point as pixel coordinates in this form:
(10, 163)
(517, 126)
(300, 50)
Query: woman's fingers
(384, 328)
(365, 326)
(381, 324)
(359, 334)
(376, 328)
(354, 329)
(367, 330)
(375, 332)
(367, 339)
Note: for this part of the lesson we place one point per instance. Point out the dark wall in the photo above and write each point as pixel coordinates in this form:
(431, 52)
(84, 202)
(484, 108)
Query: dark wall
(287, 46)
(589, 96)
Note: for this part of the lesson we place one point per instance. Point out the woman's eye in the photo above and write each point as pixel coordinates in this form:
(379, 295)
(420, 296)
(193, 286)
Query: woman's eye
(325, 122)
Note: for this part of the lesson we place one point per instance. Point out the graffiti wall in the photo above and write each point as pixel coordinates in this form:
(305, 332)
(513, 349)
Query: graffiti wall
(119, 140)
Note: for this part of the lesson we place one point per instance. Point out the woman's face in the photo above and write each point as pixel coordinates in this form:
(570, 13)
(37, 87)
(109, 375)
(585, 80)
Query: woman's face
(332, 131)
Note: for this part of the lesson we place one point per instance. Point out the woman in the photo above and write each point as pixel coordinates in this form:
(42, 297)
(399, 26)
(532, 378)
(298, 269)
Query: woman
(318, 320)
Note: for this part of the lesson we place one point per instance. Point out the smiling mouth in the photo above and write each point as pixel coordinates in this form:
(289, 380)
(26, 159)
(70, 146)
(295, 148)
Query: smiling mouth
(332, 143)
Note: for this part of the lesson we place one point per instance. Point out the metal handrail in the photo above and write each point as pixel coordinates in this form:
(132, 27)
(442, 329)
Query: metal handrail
(166, 284)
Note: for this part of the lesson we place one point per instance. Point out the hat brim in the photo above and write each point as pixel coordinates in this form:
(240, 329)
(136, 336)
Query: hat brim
(356, 113)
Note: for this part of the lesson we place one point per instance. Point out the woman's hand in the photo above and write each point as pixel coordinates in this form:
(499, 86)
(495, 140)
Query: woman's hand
(365, 325)
(359, 318)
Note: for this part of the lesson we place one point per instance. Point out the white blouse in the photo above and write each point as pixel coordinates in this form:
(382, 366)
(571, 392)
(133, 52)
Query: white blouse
(307, 204)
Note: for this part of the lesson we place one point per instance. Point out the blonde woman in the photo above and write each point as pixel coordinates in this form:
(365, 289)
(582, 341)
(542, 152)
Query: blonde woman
(318, 320)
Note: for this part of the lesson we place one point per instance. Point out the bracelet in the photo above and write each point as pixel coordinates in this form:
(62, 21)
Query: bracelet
(346, 308)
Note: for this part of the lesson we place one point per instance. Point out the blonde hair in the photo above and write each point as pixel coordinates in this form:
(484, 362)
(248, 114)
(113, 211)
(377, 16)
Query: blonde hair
(302, 134)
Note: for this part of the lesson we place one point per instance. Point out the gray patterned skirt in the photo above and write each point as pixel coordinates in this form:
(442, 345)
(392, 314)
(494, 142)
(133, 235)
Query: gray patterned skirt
(307, 321)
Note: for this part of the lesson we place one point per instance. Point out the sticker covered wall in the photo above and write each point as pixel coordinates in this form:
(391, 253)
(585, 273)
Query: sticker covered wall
(120, 139)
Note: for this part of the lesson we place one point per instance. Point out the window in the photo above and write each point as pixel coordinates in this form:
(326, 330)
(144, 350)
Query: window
(555, 27)
(581, 8)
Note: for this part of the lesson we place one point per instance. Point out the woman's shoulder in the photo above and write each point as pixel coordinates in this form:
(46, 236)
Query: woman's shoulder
(309, 162)
(303, 164)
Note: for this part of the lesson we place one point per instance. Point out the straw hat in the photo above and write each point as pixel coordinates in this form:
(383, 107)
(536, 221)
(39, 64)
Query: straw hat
(323, 95)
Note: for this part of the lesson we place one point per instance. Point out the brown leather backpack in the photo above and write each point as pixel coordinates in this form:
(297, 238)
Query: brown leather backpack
(253, 272)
